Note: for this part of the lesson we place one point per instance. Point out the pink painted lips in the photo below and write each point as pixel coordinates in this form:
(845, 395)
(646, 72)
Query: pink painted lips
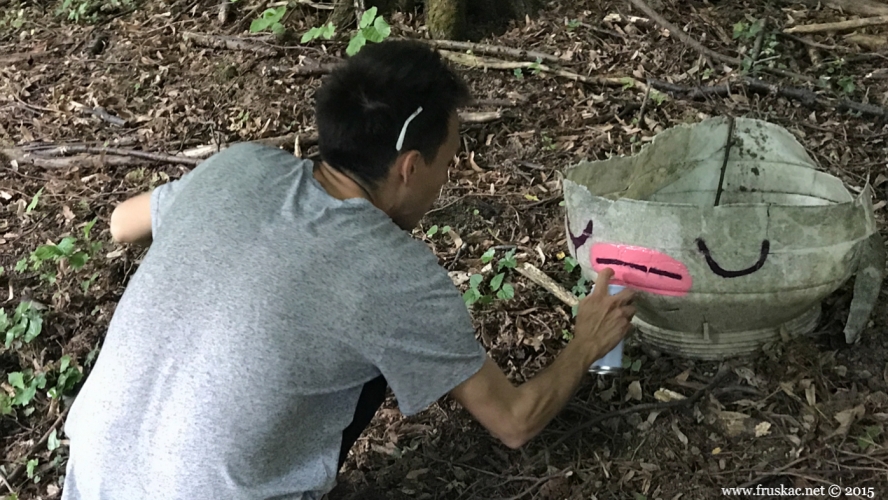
(642, 268)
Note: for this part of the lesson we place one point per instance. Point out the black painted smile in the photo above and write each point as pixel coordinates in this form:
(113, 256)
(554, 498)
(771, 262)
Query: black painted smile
(717, 269)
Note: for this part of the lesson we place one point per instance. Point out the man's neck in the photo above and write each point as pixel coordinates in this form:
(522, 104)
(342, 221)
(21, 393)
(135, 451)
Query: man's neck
(339, 185)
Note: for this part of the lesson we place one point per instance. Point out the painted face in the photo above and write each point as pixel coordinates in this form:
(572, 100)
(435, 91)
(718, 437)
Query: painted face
(653, 271)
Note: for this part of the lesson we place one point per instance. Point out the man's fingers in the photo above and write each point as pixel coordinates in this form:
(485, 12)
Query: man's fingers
(626, 296)
(603, 280)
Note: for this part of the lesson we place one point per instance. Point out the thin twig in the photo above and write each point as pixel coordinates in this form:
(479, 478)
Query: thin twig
(495, 50)
(757, 46)
(729, 141)
(722, 373)
(230, 43)
(838, 26)
(473, 61)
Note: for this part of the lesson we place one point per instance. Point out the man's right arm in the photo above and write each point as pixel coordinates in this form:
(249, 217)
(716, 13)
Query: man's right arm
(515, 415)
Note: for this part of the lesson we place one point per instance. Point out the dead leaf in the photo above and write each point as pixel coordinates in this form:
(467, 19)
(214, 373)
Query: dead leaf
(6, 196)
(847, 417)
(681, 436)
(811, 394)
(733, 422)
(457, 241)
(683, 376)
(412, 475)
(716, 450)
(66, 211)
(666, 395)
(474, 165)
(634, 391)
(762, 429)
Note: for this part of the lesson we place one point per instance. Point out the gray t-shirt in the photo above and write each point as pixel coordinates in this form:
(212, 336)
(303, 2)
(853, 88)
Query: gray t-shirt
(237, 353)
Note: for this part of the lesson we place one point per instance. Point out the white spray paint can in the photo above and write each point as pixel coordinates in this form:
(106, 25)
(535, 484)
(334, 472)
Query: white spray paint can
(612, 362)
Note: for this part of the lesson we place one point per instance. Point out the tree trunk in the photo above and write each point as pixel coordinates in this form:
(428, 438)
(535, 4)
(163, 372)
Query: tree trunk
(446, 19)
(343, 15)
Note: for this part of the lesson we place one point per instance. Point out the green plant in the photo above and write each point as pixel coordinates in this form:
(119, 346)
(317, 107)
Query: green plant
(570, 264)
(371, 28)
(53, 442)
(434, 230)
(31, 206)
(748, 31)
(14, 18)
(846, 83)
(326, 32)
(869, 436)
(548, 143)
(573, 24)
(26, 324)
(31, 468)
(68, 377)
(658, 97)
(518, 73)
(535, 66)
(498, 285)
(25, 384)
(75, 252)
(270, 19)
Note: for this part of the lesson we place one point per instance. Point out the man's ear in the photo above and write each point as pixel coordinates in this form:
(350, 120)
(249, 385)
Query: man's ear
(406, 165)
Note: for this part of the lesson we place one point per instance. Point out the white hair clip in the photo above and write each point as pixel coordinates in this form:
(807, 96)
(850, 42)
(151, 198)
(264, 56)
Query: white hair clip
(404, 129)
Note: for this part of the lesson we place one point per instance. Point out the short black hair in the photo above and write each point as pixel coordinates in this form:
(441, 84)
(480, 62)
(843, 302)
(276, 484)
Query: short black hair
(362, 106)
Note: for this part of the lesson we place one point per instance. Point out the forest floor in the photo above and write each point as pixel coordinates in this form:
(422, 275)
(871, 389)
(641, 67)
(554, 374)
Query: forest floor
(805, 412)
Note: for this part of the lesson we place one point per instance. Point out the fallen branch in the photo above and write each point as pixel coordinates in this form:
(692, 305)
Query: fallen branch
(804, 96)
(25, 56)
(684, 37)
(303, 70)
(542, 279)
(838, 26)
(230, 43)
(473, 61)
(859, 7)
(100, 113)
(20, 469)
(722, 373)
(494, 50)
(22, 158)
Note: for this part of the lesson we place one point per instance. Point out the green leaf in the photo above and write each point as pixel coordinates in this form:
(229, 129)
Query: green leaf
(23, 397)
(570, 264)
(66, 246)
(259, 25)
(5, 404)
(507, 292)
(508, 261)
(382, 27)
(2, 270)
(32, 464)
(739, 28)
(636, 365)
(328, 31)
(34, 200)
(372, 35)
(78, 260)
(64, 363)
(485, 299)
(475, 280)
(497, 281)
(278, 29)
(367, 18)
(310, 35)
(53, 442)
(355, 44)
(46, 252)
(444, 230)
(35, 326)
(488, 256)
(518, 73)
(16, 379)
(88, 227)
(471, 296)
(639, 496)
(432, 231)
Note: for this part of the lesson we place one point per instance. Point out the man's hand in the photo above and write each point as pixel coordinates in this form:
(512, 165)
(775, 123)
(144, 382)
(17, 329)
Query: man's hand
(516, 414)
(131, 220)
(603, 320)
